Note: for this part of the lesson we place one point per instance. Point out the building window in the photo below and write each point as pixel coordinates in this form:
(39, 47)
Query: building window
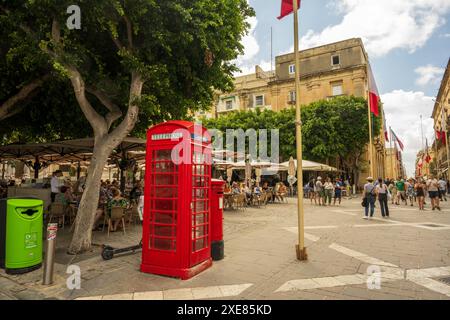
(335, 60)
(292, 96)
(292, 69)
(229, 104)
(259, 100)
(336, 89)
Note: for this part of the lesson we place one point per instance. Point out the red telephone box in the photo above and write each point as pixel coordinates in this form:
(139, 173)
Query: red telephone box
(176, 228)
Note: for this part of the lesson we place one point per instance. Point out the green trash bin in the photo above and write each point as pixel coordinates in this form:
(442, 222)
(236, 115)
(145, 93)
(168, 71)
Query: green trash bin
(21, 225)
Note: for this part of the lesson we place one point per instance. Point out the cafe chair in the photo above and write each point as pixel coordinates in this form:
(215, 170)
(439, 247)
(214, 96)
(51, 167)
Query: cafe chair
(58, 211)
(117, 214)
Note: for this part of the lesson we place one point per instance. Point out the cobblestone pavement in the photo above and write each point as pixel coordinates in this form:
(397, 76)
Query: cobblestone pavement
(404, 257)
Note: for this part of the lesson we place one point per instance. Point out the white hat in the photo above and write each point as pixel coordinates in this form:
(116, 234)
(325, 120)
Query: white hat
(319, 178)
(369, 179)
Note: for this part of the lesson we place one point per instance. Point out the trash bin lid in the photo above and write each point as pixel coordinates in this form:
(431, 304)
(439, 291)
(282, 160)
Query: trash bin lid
(25, 202)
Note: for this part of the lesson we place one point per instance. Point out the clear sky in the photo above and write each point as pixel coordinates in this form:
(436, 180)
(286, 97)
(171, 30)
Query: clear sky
(408, 42)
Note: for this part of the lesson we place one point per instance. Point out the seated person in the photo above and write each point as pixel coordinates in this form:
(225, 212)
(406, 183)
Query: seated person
(265, 186)
(64, 196)
(227, 188)
(281, 191)
(235, 188)
(116, 201)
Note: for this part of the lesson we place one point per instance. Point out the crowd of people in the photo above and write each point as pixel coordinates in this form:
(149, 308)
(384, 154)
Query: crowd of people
(324, 192)
(278, 191)
(403, 191)
(69, 194)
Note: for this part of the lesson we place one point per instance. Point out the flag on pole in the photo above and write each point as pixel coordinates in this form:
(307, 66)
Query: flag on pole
(400, 144)
(374, 96)
(386, 135)
(287, 7)
(427, 154)
(420, 164)
(440, 135)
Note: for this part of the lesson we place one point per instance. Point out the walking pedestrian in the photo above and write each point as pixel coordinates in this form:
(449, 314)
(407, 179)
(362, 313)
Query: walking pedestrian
(319, 190)
(329, 188)
(338, 186)
(312, 193)
(382, 193)
(409, 186)
(442, 189)
(401, 194)
(393, 191)
(420, 187)
(433, 192)
(369, 196)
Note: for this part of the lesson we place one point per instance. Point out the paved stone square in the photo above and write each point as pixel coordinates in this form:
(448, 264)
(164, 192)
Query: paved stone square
(406, 255)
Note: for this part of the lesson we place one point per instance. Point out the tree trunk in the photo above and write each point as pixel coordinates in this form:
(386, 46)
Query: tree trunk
(82, 237)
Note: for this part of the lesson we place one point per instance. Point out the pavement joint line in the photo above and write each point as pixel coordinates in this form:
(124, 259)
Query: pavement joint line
(198, 293)
(343, 212)
(308, 236)
(389, 272)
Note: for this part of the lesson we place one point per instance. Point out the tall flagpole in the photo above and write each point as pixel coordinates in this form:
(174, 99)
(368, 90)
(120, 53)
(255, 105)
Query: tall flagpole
(436, 154)
(446, 139)
(300, 248)
(423, 148)
(370, 122)
(392, 154)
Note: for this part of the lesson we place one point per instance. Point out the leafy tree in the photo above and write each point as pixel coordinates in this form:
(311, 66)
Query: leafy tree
(330, 128)
(132, 63)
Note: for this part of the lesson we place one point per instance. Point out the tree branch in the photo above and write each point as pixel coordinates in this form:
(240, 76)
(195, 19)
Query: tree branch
(114, 111)
(117, 43)
(25, 92)
(129, 32)
(97, 122)
(124, 128)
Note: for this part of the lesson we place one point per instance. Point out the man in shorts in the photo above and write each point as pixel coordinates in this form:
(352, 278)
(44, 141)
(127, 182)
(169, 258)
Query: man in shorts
(433, 192)
(401, 192)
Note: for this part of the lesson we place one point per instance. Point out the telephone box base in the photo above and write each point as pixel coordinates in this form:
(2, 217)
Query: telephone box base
(183, 274)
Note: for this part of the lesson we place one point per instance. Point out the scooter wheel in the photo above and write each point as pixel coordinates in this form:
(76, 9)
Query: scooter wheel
(107, 253)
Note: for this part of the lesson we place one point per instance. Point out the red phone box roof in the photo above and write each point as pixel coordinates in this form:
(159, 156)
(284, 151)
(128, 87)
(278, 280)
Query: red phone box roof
(175, 130)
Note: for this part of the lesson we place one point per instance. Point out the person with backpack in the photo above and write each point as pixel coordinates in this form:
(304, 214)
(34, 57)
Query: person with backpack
(382, 194)
(319, 190)
(369, 196)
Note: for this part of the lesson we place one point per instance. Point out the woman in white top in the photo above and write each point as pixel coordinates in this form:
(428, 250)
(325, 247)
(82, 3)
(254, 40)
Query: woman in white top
(382, 193)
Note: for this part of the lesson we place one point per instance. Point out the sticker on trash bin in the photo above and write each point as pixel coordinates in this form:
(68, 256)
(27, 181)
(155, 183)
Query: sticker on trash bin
(220, 203)
(30, 240)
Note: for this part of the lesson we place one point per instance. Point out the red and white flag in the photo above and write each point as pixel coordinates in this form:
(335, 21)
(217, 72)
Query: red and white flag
(427, 154)
(374, 96)
(287, 7)
(400, 144)
(420, 164)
